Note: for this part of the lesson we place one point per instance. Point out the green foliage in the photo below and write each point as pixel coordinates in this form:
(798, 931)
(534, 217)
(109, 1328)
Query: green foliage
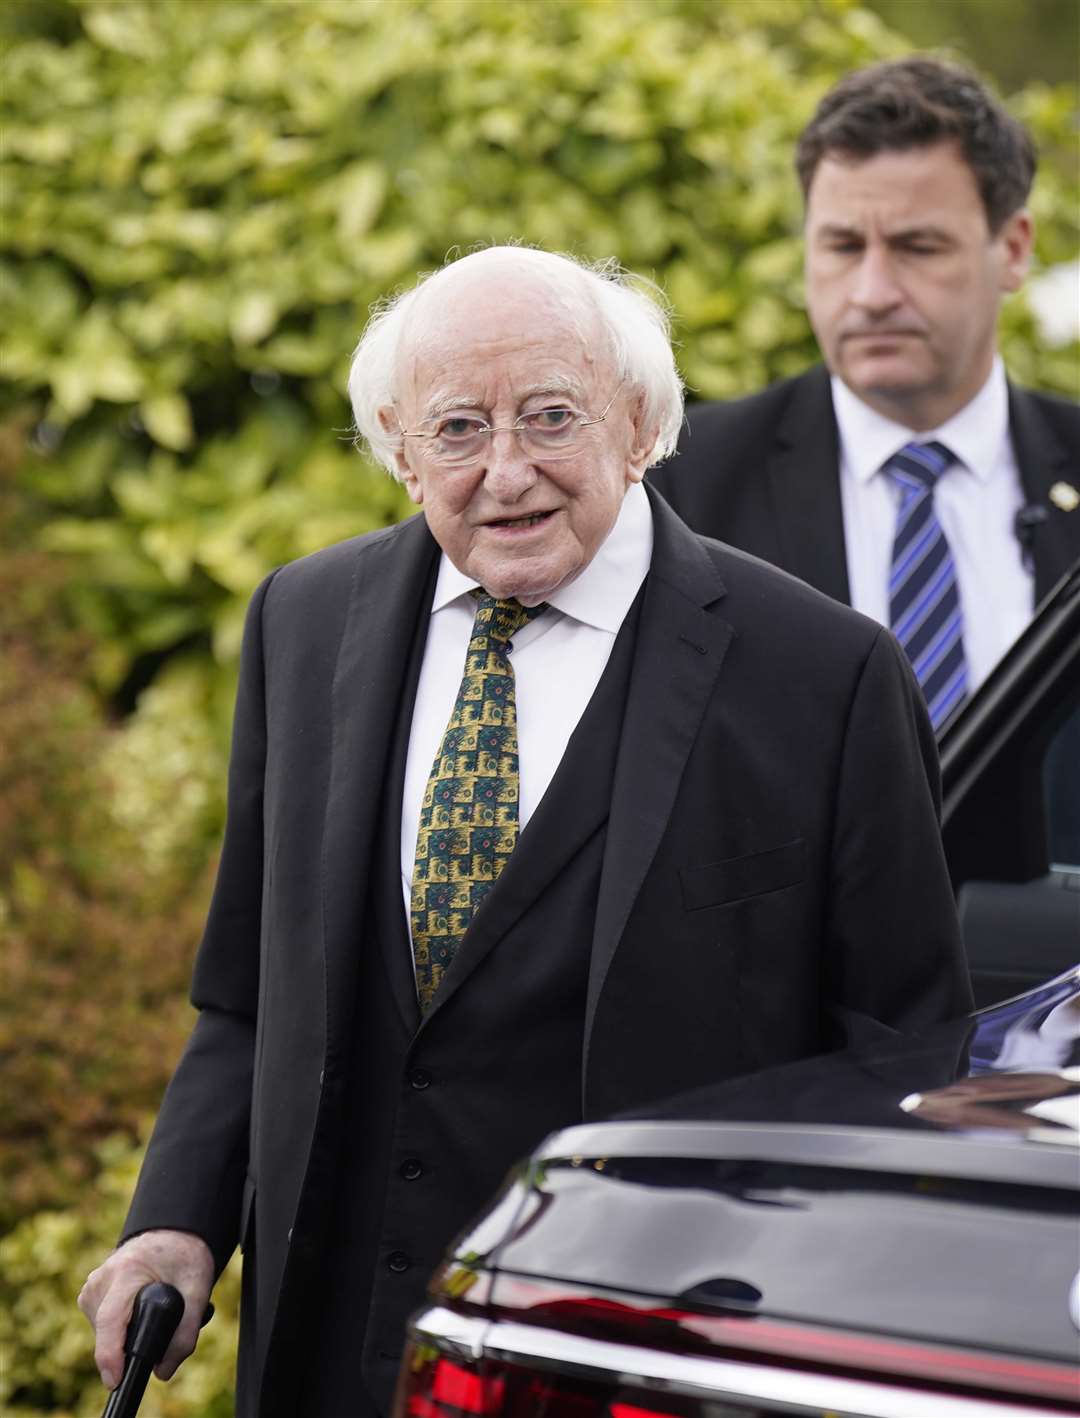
(105, 835)
(1042, 40)
(47, 1344)
(200, 204)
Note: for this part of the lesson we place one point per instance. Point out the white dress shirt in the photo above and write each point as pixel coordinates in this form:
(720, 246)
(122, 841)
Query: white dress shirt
(976, 501)
(558, 659)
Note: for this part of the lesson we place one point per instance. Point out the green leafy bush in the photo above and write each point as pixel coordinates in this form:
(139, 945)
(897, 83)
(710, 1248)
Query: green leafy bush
(105, 835)
(106, 832)
(47, 1344)
(201, 202)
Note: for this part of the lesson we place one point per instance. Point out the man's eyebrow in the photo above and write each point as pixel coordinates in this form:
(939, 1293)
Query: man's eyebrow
(444, 403)
(926, 232)
(469, 399)
(569, 389)
(839, 229)
(850, 232)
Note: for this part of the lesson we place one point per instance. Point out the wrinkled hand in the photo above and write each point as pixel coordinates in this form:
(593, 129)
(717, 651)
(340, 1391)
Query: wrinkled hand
(176, 1257)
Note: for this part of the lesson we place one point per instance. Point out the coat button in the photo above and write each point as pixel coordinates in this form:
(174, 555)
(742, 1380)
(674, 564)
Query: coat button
(398, 1262)
(411, 1168)
(420, 1078)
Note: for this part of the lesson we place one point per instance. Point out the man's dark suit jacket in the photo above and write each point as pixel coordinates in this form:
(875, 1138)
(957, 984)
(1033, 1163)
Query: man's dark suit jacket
(763, 474)
(760, 864)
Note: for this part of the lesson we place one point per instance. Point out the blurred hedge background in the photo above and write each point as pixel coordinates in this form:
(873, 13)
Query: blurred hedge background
(199, 200)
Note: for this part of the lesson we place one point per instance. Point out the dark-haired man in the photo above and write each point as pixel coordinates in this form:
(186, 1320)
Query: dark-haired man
(907, 476)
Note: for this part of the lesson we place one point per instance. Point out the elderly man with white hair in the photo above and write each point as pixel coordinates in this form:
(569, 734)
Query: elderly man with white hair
(541, 807)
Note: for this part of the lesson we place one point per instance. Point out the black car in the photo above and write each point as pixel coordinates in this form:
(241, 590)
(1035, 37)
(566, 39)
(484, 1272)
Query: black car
(900, 1240)
(894, 1230)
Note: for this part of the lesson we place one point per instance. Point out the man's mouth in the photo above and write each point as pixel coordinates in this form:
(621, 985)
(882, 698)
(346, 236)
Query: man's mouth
(881, 334)
(532, 520)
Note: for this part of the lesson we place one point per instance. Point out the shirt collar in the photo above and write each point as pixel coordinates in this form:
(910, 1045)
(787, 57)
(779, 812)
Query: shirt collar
(976, 434)
(603, 593)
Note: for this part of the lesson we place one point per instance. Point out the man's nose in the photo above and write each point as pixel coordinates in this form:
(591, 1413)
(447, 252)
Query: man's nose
(876, 288)
(508, 471)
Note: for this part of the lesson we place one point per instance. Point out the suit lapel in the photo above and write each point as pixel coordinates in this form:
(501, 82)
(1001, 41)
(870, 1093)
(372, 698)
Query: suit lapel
(391, 593)
(803, 477)
(681, 644)
(391, 917)
(1042, 460)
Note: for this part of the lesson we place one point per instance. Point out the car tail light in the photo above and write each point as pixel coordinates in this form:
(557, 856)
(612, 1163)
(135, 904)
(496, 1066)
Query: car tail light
(434, 1386)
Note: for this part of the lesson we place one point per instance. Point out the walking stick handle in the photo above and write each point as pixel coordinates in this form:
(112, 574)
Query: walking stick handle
(157, 1310)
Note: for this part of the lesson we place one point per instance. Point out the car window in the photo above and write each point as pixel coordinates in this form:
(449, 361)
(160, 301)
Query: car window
(1012, 816)
(1061, 792)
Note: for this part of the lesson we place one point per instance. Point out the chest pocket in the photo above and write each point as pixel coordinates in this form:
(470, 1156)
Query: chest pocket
(737, 878)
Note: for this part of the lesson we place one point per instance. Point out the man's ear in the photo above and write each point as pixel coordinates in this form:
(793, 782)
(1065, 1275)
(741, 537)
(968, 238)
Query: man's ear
(1016, 237)
(643, 440)
(391, 425)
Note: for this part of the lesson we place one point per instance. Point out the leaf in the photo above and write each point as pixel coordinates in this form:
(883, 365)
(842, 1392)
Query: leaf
(124, 28)
(361, 192)
(73, 386)
(167, 627)
(168, 420)
(252, 316)
(171, 546)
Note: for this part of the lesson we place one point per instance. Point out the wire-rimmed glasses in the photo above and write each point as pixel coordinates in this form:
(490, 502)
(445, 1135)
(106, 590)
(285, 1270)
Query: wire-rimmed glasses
(454, 440)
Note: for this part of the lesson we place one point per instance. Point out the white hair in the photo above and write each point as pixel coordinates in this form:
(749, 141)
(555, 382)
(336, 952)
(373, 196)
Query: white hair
(633, 312)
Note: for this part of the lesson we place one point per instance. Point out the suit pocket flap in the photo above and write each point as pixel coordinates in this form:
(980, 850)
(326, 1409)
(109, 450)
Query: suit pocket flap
(739, 877)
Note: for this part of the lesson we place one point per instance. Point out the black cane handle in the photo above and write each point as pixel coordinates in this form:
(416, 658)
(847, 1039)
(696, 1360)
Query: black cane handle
(157, 1310)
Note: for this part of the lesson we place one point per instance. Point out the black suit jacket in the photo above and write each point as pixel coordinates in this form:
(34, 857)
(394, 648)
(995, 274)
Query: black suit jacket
(768, 865)
(763, 474)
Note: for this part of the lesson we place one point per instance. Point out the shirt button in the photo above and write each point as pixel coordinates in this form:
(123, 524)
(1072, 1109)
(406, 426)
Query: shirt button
(411, 1168)
(420, 1078)
(398, 1262)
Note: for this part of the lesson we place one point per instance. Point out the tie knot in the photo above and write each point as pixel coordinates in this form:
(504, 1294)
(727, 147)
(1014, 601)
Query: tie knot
(918, 466)
(499, 620)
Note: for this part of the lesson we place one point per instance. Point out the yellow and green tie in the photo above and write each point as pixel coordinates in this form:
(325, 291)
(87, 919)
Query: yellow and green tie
(469, 816)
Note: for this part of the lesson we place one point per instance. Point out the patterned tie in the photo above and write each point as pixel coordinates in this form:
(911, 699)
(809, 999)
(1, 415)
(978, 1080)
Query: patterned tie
(924, 599)
(469, 816)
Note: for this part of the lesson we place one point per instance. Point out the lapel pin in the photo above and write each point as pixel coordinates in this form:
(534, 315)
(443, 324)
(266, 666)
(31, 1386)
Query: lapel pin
(1065, 496)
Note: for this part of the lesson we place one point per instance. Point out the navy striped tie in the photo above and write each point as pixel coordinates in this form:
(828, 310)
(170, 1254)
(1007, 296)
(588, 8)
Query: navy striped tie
(924, 600)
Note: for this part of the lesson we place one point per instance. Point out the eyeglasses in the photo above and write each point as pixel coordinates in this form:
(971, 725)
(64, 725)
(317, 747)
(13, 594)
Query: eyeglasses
(453, 440)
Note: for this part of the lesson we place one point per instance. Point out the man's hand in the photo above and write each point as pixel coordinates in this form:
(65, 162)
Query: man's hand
(177, 1257)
